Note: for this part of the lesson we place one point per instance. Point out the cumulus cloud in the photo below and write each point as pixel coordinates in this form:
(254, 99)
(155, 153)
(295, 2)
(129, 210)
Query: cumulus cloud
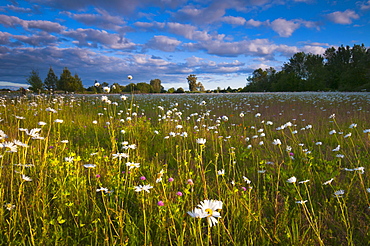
(364, 5)
(93, 38)
(47, 26)
(284, 27)
(163, 43)
(100, 19)
(343, 18)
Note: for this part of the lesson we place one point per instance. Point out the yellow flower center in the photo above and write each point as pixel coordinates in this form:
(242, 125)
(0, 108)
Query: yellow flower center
(209, 211)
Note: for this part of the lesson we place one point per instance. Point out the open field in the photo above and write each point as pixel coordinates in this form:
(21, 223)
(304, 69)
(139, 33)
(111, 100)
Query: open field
(203, 169)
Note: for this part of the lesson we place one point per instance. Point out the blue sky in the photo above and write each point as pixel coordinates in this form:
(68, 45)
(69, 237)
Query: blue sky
(220, 41)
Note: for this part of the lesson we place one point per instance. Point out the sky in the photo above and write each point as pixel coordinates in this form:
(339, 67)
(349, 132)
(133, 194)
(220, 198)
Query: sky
(220, 41)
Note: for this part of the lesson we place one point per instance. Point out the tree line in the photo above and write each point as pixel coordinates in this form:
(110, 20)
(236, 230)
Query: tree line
(341, 69)
(68, 83)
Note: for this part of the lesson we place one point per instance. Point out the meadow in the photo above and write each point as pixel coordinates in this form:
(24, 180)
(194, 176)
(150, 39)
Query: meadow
(192, 169)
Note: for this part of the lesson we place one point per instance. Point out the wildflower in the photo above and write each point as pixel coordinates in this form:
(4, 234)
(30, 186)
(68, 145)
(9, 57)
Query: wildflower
(340, 156)
(129, 77)
(9, 206)
(26, 178)
(292, 180)
(257, 115)
(41, 123)
(96, 84)
(190, 182)
(211, 208)
(276, 142)
(347, 135)
(318, 143)
(339, 193)
(353, 125)
(241, 115)
(304, 181)
(102, 189)
(33, 132)
(69, 159)
(159, 176)
(64, 141)
(332, 132)
(301, 202)
(97, 176)
(89, 166)
(132, 165)
(160, 203)
(201, 141)
(58, 121)
(95, 122)
(19, 143)
(120, 155)
(50, 110)
(337, 148)
(123, 98)
(225, 118)
(142, 178)
(221, 172)
(12, 147)
(170, 179)
(260, 143)
(328, 182)
(106, 89)
(247, 180)
(143, 188)
(360, 169)
(179, 193)
(197, 213)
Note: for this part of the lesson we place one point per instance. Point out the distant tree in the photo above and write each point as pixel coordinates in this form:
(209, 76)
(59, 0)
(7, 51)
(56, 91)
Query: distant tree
(130, 88)
(180, 90)
(76, 84)
(156, 85)
(116, 88)
(192, 81)
(51, 80)
(144, 87)
(64, 79)
(35, 81)
(171, 90)
(200, 87)
(69, 83)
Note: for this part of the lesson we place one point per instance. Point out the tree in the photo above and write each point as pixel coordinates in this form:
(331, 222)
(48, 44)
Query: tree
(180, 90)
(156, 85)
(144, 87)
(51, 80)
(192, 81)
(116, 88)
(35, 81)
(70, 83)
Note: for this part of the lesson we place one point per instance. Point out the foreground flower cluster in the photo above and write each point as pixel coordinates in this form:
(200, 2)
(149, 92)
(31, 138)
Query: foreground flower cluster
(282, 169)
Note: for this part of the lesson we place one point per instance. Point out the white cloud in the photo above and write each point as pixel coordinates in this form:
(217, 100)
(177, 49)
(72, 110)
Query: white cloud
(343, 18)
(284, 27)
(163, 43)
(12, 84)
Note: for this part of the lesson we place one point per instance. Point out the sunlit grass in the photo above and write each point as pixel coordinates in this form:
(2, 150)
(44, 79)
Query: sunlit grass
(252, 169)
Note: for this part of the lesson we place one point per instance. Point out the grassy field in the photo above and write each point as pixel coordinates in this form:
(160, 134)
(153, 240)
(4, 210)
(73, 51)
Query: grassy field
(209, 169)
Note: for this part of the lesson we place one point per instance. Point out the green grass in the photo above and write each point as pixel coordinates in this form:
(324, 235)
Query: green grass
(61, 205)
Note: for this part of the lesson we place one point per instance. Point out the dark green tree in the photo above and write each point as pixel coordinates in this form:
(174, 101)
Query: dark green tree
(156, 85)
(64, 79)
(180, 90)
(51, 80)
(35, 81)
(143, 87)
